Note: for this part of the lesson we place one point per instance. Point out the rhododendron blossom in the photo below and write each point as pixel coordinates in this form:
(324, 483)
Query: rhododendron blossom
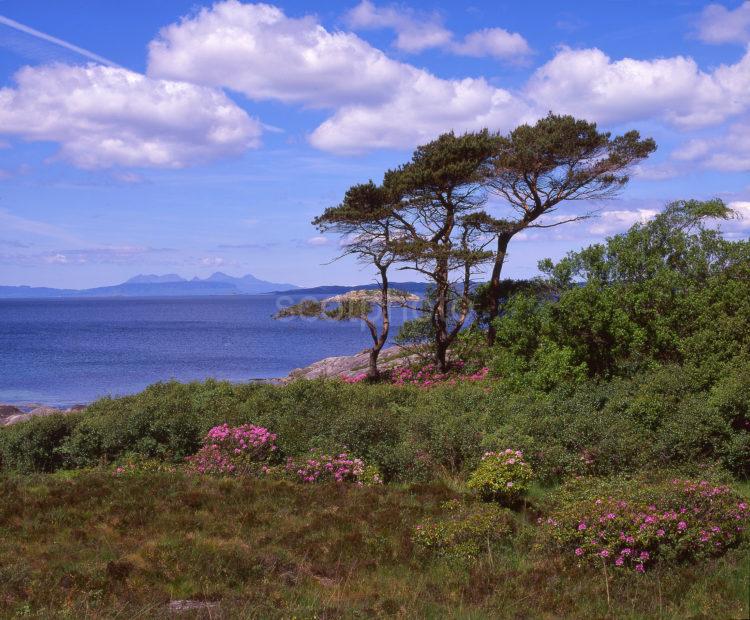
(333, 468)
(635, 535)
(233, 449)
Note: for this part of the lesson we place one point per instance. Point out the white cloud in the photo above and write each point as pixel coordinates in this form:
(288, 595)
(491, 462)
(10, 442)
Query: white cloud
(721, 25)
(587, 83)
(317, 241)
(377, 102)
(728, 153)
(108, 116)
(495, 42)
(416, 32)
(417, 113)
(256, 50)
(657, 172)
(212, 261)
(611, 222)
(741, 206)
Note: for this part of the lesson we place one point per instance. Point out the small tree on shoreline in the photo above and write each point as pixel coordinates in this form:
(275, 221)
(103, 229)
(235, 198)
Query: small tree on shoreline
(354, 305)
(364, 219)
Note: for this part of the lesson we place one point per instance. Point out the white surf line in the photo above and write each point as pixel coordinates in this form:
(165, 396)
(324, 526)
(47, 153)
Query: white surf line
(50, 39)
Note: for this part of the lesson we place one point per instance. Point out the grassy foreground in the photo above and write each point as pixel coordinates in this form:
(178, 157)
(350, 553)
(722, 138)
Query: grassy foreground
(86, 544)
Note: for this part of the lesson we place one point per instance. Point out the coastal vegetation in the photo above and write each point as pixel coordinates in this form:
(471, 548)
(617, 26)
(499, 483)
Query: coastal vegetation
(577, 446)
(429, 215)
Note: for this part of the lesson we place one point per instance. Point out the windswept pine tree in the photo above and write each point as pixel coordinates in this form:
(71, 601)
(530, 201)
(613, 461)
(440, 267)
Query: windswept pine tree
(537, 169)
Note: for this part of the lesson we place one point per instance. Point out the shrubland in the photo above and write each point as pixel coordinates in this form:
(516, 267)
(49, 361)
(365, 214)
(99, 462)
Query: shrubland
(592, 461)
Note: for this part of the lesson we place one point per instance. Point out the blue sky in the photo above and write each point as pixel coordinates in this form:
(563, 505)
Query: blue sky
(166, 136)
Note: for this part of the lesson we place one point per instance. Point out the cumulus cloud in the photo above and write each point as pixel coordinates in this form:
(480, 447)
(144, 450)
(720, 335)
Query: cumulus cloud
(718, 24)
(589, 84)
(378, 102)
(416, 32)
(729, 152)
(256, 50)
(495, 42)
(612, 222)
(417, 113)
(108, 116)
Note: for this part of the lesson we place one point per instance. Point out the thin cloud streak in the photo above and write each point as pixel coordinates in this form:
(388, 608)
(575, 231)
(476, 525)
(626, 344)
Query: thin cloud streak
(11, 23)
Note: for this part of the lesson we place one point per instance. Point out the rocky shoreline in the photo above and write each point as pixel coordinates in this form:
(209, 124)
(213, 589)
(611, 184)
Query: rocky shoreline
(329, 367)
(350, 365)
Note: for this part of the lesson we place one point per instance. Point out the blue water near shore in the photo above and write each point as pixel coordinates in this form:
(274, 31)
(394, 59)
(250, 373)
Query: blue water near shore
(60, 352)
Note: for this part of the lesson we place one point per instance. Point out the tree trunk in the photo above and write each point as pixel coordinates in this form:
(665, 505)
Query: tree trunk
(441, 356)
(372, 369)
(494, 293)
(440, 321)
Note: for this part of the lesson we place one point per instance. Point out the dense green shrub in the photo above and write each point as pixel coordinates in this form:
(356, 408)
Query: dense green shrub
(655, 418)
(669, 291)
(465, 533)
(501, 476)
(634, 525)
(37, 444)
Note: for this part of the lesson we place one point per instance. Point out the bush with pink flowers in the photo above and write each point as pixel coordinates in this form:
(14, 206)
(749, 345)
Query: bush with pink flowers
(341, 467)
(633, 526)
(428, 375)
(425, 376)
(234, 450)
(501, 476)
(356, 378)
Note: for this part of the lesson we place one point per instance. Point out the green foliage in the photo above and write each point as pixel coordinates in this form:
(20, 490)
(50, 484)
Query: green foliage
(36, 445)
(667, 291)
(501, 476)
(665, 416)
(308, 308)
(465, 533)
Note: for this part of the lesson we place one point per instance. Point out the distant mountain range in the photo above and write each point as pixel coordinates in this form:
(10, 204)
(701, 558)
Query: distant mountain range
(170, 285)
(173, 285)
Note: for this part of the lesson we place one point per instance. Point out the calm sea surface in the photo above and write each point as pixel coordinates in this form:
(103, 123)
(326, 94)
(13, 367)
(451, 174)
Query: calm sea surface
(61, 352)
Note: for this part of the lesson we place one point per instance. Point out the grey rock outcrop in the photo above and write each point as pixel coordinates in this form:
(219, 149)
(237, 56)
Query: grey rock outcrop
(351, 365)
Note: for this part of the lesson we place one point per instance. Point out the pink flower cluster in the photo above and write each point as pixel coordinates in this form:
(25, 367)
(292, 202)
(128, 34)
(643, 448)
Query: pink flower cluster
(428, 375)
(692, 520)
(233, 449)
(327, 468)
(425, 377)
(358, 378)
